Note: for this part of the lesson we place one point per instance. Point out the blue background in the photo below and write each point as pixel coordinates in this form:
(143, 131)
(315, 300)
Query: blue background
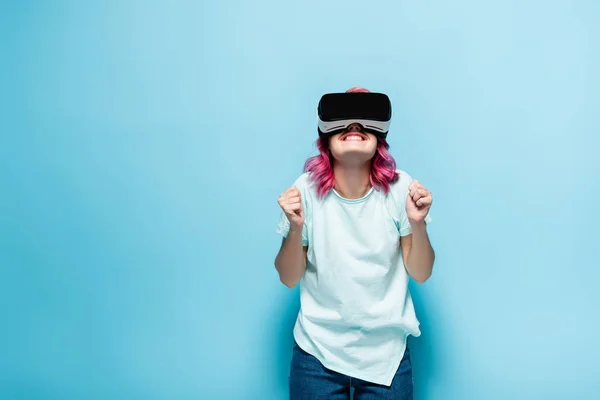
(143, 147)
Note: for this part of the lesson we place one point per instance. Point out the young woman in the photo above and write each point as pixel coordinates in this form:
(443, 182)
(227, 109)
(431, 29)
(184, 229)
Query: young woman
(354, 230)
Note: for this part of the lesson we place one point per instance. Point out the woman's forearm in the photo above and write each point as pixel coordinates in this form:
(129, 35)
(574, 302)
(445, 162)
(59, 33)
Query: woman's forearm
(291, 259)
(421, 255)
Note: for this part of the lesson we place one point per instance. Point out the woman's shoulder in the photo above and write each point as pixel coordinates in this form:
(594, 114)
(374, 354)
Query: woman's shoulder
(305, 185)
(404, 179)
(302, 182)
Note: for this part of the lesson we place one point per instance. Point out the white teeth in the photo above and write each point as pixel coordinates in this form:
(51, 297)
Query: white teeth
(353, 137)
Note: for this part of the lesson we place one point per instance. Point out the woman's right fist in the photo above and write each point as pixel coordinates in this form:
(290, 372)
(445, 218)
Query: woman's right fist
(291, 204)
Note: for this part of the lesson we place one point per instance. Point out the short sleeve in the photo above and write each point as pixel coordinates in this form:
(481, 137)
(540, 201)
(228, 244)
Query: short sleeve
(283, 228)
(404, 225)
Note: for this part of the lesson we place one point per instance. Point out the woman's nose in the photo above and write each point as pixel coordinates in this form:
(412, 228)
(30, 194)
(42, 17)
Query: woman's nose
(354, 128)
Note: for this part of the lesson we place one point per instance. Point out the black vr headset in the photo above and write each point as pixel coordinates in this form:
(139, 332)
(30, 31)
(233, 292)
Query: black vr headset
(336, 111)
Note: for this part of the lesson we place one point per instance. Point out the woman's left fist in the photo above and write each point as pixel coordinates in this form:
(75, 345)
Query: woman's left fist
(418, 202)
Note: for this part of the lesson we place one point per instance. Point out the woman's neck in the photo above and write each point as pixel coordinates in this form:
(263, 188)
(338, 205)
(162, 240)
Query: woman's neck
(352, 182)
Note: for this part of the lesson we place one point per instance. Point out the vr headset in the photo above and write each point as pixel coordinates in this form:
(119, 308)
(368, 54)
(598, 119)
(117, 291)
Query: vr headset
(337, 111)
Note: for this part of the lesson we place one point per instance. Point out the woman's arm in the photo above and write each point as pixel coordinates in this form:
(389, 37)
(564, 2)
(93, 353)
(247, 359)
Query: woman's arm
(418, 253)
(291, 259)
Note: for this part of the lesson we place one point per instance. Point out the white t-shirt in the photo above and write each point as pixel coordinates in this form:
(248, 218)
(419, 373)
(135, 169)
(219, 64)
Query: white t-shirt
(355, 307)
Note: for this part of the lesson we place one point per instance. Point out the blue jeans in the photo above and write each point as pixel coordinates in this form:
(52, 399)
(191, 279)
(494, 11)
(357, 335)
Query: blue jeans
(310, 380)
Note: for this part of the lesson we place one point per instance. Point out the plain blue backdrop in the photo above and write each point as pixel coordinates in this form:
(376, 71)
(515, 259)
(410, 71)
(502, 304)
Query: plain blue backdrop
(143, 147)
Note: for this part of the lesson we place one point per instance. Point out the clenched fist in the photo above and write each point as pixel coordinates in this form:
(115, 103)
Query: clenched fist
(291, 204)
(418, 202)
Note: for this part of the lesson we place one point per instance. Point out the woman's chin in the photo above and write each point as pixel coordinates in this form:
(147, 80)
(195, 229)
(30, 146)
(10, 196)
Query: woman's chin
(354, 156)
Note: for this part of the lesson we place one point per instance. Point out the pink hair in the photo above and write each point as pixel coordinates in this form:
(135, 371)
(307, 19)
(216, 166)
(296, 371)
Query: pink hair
(383, 165)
